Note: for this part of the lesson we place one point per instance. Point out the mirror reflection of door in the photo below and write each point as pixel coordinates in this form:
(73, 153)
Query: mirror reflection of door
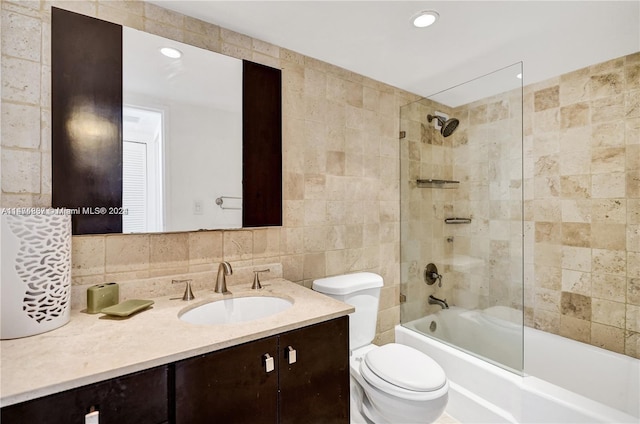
(199, 95)
(142, 166)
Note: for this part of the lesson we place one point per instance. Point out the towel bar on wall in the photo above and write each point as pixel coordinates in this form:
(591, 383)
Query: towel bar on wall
(457, 221)
(220, 201)
(437, 183)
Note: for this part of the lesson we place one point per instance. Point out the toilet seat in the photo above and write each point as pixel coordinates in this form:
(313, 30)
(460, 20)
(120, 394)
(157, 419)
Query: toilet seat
(404, 372)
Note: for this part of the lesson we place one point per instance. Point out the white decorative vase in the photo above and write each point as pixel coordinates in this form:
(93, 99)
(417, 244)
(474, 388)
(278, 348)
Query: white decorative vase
(36, 274)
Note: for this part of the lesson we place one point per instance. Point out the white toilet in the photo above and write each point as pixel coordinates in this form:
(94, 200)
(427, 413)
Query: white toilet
(393, 383)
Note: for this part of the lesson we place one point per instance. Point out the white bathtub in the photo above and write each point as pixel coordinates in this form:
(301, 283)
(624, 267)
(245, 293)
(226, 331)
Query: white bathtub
(565, 381)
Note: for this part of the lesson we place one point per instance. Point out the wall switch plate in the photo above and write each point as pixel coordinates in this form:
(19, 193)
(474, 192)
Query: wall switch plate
(197, 207)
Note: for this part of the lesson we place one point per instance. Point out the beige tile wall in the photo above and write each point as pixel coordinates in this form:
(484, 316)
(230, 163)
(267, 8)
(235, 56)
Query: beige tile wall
(582, 207)
(481, 262)
(341, 177)
(340, 172)
(581, 211)
(487, 264)
(425, 154)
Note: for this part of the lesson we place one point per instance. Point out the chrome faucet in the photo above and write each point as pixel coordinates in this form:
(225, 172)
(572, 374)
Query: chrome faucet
(221, 282)
(435, 301)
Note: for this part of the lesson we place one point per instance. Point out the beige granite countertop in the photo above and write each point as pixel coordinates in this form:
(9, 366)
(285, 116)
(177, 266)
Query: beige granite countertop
(92, 348)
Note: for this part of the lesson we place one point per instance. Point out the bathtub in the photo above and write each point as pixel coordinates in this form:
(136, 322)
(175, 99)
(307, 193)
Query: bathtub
(564, 381)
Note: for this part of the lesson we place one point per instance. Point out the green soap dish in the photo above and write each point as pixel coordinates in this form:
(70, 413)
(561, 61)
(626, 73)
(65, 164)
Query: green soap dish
(128, 307)
(102, 296)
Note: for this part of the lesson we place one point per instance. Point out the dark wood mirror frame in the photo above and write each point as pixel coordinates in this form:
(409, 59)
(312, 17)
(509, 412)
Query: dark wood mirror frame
(86, 109)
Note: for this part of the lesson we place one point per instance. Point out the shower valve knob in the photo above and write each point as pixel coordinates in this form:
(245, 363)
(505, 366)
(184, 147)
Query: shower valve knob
(431, 275)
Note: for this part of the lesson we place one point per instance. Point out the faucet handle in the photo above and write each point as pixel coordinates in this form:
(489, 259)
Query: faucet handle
(256, 278)
(188, 294)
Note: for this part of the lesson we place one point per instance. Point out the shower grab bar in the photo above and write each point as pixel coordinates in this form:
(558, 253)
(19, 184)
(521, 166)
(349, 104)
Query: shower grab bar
(457, 221)
(220, 201)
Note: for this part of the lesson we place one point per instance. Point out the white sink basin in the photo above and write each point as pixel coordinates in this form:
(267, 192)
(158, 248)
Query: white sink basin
(238, 309)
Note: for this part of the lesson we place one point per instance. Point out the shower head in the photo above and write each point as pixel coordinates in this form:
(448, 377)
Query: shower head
(447, 127)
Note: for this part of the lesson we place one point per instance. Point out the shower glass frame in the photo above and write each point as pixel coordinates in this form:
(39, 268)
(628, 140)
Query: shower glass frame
(481, 261)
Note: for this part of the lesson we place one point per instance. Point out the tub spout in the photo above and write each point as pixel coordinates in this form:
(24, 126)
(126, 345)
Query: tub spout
(435, 301)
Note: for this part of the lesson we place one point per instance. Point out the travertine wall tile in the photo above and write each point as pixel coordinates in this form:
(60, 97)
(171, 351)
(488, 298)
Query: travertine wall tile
(21, 171)
(20, 126)
(575, 328)
(582, 181)
(332, 188)
(633, 318)
(88, 256)
(607, 337)
(117, 12)
(633, 291)
(608, 84)
(607, 109)
(575, 115)
(169, 251)
(127, 253)
(576, 234)
(163, 16)
(581, 185)
(547, 98)
(20, 80)
(612, 262)
(610, 185)
(21, 36)
(205, 247)
(576, 282)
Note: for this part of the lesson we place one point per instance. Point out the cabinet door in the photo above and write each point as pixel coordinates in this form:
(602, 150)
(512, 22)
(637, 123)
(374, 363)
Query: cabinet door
(261, 145)
(132, 399)
(86, 119)
(315, 388)
(228, 386)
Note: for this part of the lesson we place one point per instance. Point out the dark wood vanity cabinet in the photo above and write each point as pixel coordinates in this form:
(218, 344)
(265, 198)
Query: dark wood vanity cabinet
(131, 399)
(309, 382)
(301, 376)
(228, 386)
(315, 388)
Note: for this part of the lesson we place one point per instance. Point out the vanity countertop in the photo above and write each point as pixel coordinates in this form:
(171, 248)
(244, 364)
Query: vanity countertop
(92, 348)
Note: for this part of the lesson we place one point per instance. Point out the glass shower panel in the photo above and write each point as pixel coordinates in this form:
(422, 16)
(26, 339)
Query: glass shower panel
(461, 230)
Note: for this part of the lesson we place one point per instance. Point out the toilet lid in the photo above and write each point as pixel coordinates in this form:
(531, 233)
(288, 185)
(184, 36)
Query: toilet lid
(405, 367)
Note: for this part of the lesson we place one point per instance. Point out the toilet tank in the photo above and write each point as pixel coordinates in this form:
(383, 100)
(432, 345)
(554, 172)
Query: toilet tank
(362, 291)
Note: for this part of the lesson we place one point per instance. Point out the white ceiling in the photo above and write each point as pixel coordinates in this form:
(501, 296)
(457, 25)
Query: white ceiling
(199, 77)
(471, 38)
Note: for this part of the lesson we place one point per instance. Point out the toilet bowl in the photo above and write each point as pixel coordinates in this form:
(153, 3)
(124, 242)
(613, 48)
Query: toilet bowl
(404, 386)
(393, 383)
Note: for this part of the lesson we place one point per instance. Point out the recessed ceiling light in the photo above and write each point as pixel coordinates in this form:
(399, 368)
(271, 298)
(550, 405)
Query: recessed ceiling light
(424, 18)
(171, 52)
(519, 76)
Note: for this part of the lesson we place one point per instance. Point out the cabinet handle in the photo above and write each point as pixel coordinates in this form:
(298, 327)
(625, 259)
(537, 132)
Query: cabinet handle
(291, 355)
(269, 364)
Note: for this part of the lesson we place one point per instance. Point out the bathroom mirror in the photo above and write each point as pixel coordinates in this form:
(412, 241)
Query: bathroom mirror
(182, 136)
(144, 142)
